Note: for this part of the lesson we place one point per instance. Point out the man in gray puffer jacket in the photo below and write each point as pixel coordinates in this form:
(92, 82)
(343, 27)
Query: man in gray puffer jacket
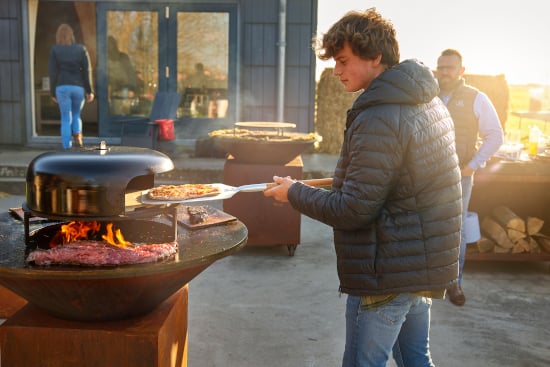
(395, 203)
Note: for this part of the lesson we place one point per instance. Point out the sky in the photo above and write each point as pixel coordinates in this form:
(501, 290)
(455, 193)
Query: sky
(494, 36)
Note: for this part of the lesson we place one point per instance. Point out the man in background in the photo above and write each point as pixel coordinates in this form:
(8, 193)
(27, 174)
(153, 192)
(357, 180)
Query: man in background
(474, 117)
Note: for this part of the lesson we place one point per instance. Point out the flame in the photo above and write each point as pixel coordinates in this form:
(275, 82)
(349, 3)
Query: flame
(74, 231)
(117, 239)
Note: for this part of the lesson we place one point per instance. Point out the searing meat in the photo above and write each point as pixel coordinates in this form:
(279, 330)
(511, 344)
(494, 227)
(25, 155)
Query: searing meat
(100, 253)
(197, 214)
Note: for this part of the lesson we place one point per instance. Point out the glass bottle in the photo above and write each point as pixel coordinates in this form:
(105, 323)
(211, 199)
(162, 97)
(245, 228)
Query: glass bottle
(534, 137)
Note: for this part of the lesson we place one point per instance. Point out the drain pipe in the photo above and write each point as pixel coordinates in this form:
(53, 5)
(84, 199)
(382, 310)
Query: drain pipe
(281, 65)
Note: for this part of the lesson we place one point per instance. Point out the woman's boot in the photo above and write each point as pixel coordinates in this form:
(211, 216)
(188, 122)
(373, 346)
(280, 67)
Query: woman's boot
(77, 140)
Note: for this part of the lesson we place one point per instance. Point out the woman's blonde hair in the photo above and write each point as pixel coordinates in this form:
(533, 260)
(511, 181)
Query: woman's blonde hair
(64, 35)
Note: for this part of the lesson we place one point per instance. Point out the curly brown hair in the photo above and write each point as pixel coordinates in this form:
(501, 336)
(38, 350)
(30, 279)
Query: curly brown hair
(367, 33)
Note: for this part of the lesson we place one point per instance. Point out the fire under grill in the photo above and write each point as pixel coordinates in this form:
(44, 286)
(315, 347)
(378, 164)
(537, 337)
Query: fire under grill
(137, 226)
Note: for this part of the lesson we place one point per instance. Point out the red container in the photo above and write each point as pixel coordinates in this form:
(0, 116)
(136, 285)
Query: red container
(166, 129)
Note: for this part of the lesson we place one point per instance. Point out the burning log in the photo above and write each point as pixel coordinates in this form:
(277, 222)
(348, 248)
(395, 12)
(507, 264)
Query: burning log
(506, 232)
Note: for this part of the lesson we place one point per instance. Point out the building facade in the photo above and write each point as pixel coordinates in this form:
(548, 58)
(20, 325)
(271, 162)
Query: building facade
(231, 60)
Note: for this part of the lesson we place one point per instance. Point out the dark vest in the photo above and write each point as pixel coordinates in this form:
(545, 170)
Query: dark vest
(461, 107)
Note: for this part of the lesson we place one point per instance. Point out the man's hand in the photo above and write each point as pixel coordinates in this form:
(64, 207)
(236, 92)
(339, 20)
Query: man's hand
(280, 192)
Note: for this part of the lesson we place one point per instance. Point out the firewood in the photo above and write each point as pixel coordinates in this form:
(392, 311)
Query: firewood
(496, 232)
(535, 248)
(518, 249)
(508, 219)
(534, 225)
(542, 240)
(501, 250)
(524, 244)
(485, 244)
(515, 235)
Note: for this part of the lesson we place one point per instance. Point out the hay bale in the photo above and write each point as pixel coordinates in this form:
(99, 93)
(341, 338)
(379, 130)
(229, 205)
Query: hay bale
(496, 88)
(332, 103)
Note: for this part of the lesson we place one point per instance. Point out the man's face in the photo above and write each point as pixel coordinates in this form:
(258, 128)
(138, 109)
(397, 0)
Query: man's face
(354, 72)
(448, 71)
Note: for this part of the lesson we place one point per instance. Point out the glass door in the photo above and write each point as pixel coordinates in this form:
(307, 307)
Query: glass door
(203, 63)
(146, 48)
(129, 59)
(132, 61)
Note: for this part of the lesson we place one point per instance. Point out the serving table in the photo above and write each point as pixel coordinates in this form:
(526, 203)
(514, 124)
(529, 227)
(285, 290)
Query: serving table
(524, 187)
(535, 115)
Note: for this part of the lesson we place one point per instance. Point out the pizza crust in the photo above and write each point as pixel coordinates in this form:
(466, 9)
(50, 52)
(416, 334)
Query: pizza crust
(182, 192)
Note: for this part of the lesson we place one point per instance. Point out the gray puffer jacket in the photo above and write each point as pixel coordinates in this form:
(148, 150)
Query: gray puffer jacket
(395, 204)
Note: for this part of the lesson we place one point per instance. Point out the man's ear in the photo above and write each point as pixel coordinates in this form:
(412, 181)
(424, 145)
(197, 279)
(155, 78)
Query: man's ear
(377, 60)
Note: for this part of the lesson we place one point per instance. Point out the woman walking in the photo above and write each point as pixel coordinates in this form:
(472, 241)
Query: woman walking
(71, 83)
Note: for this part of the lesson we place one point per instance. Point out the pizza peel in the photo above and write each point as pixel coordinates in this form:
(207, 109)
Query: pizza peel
(227, 191)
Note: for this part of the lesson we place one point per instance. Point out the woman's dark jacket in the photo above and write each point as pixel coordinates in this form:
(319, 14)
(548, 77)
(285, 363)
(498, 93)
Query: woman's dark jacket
(395, 204)
(70, 65)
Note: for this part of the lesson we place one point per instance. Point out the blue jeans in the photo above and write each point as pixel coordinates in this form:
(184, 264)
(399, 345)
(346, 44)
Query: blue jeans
(71, 100)
(402, 325)
(467, 183)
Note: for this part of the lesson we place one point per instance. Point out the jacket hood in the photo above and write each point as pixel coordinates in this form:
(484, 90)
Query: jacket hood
(409, 82)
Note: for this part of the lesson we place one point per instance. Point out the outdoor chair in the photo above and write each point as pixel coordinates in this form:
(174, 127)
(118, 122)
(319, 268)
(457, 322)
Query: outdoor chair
(144, 131)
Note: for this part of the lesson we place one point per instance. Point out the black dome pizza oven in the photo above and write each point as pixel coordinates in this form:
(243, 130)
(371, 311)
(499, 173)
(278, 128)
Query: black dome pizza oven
(91, 182)
(104, 185)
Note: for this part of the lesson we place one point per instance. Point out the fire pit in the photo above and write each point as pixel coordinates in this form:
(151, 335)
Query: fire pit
(88, 185)
(268, 144)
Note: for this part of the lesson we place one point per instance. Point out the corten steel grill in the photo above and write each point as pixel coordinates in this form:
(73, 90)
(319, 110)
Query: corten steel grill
(103, 184)
(256, 157)
(269, 143)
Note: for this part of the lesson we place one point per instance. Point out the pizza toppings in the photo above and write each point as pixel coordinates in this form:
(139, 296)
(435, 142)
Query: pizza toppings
(182, 192)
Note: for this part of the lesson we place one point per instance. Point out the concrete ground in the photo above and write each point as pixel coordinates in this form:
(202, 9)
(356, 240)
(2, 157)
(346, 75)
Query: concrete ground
(262, 307)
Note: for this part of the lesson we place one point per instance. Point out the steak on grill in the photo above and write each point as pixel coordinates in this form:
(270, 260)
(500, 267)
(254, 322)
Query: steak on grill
(100, 253)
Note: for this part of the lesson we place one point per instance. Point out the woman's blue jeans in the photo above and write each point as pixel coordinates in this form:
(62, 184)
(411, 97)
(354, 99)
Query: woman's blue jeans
(71, 100)
(402, 325)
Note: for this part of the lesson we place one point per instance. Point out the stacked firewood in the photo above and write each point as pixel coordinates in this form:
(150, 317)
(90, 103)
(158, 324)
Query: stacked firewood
(505, 232)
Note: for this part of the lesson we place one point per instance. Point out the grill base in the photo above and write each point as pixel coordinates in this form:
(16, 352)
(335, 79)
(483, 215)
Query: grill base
(268, 222)
(32, 337)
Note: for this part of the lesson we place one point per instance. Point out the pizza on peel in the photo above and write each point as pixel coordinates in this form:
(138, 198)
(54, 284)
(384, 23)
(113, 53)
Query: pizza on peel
(182, 192)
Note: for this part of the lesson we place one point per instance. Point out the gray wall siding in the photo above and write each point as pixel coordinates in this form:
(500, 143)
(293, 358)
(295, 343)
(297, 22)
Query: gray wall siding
(12, 123)
(300, 59)
(260, 58)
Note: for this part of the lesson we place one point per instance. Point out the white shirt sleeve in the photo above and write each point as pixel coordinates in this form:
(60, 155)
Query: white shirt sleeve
(490, 131)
